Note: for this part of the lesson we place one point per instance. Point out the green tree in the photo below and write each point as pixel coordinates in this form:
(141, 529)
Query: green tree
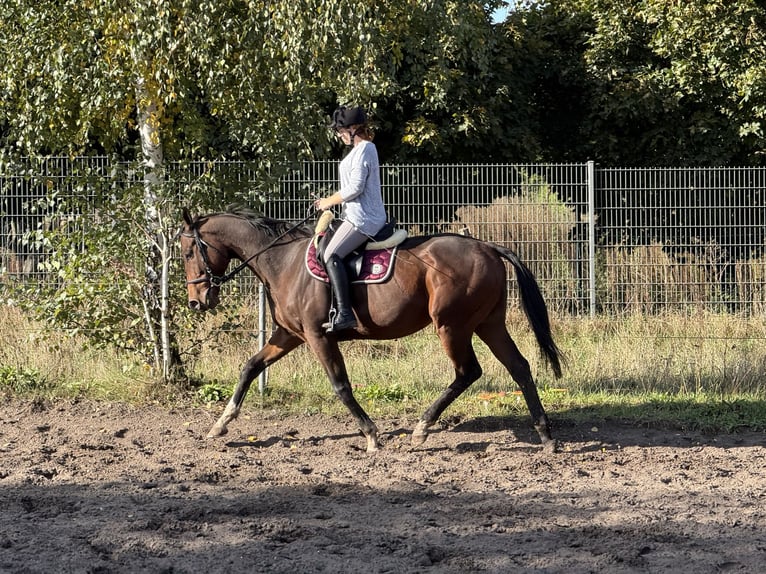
(678, 82)
(542, 65)
(444, 61)
(639, 83)
(178, 79)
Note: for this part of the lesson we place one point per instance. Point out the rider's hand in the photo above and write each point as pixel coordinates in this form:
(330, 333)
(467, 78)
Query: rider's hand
(324, 203)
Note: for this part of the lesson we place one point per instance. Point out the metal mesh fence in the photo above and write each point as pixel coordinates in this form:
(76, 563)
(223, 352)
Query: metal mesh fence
(601, 240)
(681, 239)
(533, 209)
(32, 196)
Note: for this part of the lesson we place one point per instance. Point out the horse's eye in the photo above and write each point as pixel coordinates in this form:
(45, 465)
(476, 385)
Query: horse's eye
(189, 255)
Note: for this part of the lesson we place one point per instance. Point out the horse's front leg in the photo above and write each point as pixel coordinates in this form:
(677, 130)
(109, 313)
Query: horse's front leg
(329, 355)
(280, 343)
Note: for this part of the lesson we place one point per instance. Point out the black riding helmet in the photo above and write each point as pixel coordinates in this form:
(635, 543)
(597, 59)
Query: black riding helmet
(345, 117)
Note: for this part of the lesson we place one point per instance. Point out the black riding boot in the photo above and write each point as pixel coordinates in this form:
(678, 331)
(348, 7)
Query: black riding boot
(343, 317)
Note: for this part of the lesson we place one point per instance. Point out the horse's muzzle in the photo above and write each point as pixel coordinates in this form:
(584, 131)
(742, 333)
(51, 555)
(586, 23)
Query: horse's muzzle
(204, 301)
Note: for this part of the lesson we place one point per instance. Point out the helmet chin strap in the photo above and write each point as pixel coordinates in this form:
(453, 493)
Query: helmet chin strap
(352, 136)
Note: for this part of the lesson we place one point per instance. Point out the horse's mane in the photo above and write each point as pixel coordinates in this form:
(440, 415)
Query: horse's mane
(272, 227)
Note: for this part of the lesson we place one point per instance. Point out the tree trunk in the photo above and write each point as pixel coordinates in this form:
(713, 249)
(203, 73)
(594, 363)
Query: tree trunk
(156, 288)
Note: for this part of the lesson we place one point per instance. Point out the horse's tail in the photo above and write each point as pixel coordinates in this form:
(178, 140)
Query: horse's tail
(534, 308)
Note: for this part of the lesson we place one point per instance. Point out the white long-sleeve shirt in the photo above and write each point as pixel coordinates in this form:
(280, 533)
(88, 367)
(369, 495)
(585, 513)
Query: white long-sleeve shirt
(360, 189)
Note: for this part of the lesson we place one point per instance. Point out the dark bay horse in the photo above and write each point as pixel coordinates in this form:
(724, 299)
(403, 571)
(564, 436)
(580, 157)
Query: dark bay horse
(453, 282)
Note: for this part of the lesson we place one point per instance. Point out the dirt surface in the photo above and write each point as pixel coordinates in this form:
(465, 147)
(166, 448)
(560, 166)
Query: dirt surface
(94, 487)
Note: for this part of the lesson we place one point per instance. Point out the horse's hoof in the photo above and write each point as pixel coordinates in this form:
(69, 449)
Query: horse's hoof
(373, 445)
(217, 432)
(419, 434)
(551, 446)
(418, 439)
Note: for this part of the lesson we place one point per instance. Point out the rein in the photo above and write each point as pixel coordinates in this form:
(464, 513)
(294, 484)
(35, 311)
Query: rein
(218, 280)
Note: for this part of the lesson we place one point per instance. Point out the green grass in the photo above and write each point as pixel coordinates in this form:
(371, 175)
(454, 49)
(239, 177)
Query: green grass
(32, 364)
(693, 372)
(702, 372)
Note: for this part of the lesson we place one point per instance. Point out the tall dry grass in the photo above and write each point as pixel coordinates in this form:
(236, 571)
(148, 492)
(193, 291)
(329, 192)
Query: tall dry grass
(701, 371)
(43, 362)
(705, 354)
(625, 366)
(538, 227)
(654, 279)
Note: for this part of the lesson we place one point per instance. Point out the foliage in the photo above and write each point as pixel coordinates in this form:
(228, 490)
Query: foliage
(680, 82)
(539, 62)
(21, 380)
(97, 290)
(635, 83)
(440, 59)
(226, 77)
(375, 392)
(251, 79)
(94, 229)
(214, 392)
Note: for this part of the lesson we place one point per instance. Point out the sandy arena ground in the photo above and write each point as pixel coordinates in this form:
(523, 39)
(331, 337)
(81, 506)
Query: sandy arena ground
(108, 488)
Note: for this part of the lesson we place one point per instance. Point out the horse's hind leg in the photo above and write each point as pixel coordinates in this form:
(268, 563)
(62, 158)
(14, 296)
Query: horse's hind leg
(496, 336)
(467, 370)
(280, 343)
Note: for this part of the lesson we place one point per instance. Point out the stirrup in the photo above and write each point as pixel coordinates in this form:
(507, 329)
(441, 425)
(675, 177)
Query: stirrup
(330, 319)
(339, 322)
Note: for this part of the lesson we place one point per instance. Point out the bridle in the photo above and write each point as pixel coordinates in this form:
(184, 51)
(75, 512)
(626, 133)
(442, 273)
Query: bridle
(210, 277)
(218, 280)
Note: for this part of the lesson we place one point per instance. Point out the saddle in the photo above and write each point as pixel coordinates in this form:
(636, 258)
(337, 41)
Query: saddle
(372, 262)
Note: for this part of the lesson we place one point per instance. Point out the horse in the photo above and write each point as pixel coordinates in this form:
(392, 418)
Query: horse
(454, 282)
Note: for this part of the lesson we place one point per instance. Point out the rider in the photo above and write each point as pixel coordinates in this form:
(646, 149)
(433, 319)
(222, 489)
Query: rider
(363, 212)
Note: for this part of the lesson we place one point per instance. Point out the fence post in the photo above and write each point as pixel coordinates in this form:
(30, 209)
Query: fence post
(261, 333)
(591, 182)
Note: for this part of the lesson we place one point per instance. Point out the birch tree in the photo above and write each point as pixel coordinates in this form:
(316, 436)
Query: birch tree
(181, 79)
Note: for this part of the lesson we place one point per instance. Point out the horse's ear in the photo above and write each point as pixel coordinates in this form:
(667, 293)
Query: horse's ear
(187, 217)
